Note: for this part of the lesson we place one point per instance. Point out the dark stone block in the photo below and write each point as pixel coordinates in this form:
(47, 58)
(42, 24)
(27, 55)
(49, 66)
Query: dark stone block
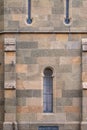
(27, 45)
(76, 3)
(30, 60)
(72, 93)
(28, 93)
(10, 102)
(48, 52)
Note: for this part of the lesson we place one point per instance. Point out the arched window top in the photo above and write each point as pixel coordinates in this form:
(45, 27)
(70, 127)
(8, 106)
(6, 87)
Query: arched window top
(48, 72)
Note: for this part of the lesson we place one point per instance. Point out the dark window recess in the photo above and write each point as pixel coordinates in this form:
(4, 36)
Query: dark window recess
(48, 128)
(48, 90)
(29, 20)
(67, 19)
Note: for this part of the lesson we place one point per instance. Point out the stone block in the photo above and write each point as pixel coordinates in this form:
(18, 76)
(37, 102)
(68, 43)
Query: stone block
(21, 68)
(30, 60)
(73, 116)
(10, 101)
(73, 45)
(65, 68)
(59, 10)
(24, 126)
(29, 93)
(72, 93)
(65, 60)
(72, 109)
(7, 126)
(84, 48)
(21, 101)
(77, 3)
(64, 102)
(29, 109)
(27, 45)
(76, 60)
(33, 101)
(9, 94)
(83, 125)
(24, 117)
(10, 109)
(76, 102)
(24, 93)
(73, 52)
(48, 53)
(10, 117)
(21, 76)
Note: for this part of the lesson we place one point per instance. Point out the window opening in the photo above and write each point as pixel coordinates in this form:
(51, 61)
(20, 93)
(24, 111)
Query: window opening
(67, 19)
(48, 90)
(29, 20)
(48, 128)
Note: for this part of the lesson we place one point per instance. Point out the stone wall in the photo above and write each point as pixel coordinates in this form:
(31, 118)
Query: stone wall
(1, 82)
(28, 50)
(47, 16)
(1, 15)
(35, 52)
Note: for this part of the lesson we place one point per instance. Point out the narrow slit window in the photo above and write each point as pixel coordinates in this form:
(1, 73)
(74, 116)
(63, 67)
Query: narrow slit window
(48, 128)
(67, 19)
(29, 19)
(48, 91)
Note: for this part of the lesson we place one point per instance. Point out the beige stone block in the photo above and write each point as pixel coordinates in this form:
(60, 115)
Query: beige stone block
(46, 60)
(21, 68)
(72, 109)
(33, 69)
(58, 93)
(65, 60)
(57, 45)
(26, 117)
(1, 45)
(10, 117)
(34, 101)
(9, 93)
(76, 102)
(29, 109)
(62, 38)
(76, 60)
(17, 17)
(9, 57)
(51, 117)
(28, 84)
(19, 84)
(84, 76)
(85, 93)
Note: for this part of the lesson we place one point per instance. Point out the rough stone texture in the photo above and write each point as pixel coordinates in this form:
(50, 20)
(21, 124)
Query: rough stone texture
(1, 15)
(37, 47)
(1, 79)
(46, 16)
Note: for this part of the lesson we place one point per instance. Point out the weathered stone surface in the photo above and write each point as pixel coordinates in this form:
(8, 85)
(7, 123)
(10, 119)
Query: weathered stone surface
(28, 93)
(63, 102)
(72, 93)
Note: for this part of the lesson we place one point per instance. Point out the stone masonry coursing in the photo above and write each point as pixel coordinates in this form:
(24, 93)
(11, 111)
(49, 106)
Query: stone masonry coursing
(27, 50)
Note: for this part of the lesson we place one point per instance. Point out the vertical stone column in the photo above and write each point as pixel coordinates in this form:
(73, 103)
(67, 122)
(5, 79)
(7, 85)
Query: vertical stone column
(1, 82)
(84, 84)
(10, 83)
